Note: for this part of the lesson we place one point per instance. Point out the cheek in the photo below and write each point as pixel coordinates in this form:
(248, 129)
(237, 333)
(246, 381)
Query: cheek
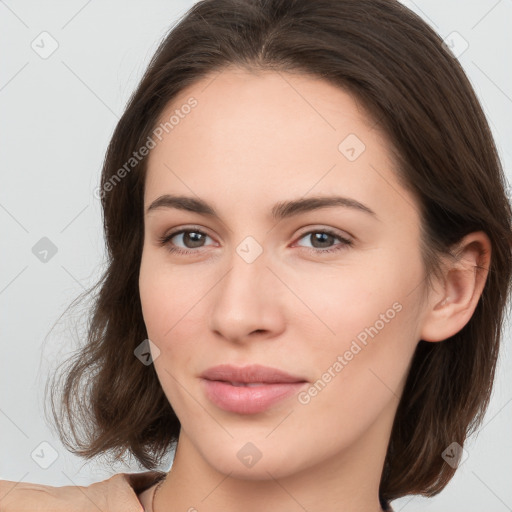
(359, 381)
(169, 296)
(343, 302)
(365, 320)
(366, 363)
(170, 301)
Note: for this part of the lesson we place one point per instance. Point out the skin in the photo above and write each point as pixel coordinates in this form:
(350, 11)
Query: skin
(116, 494)
(253, 140)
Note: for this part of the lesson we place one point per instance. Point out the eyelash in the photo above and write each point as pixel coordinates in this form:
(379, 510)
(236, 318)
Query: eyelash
(345, 242)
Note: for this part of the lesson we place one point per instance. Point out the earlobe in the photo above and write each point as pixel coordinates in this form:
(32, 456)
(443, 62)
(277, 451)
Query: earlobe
(451, 308)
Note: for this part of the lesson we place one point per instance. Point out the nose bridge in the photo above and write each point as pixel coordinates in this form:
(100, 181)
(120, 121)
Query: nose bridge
(245, 300)
(247, 276)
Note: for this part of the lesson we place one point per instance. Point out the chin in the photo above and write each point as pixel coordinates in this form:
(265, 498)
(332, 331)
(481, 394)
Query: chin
(235, 460)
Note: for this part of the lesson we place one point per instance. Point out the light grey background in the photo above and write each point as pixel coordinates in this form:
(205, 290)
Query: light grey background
(58, 114)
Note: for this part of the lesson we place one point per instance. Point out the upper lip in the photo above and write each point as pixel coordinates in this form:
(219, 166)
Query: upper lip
(250, 373)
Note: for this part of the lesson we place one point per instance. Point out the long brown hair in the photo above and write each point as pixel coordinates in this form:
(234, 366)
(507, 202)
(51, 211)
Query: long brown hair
(396, 66)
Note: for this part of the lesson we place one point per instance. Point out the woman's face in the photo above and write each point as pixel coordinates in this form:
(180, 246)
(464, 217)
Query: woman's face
(329, 295)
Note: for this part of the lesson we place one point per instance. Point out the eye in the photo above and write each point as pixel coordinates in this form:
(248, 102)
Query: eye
(192, 238)
(322, 239)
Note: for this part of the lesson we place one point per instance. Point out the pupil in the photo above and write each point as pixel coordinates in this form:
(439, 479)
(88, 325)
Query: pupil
(321, 237)
(196, 238)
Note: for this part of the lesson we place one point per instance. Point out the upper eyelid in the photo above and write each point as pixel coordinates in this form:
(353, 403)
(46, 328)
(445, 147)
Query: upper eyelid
(180, 231)
(335, 231)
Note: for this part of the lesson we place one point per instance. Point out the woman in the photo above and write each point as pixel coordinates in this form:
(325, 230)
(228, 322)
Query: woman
(309, 263)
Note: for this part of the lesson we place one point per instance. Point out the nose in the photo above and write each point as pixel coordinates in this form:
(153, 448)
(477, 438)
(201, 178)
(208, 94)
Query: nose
(247, 303)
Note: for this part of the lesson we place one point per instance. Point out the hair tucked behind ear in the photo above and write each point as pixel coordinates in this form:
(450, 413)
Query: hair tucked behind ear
(398, 69)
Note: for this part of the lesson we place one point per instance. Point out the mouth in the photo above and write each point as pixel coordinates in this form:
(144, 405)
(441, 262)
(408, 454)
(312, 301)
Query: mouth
(246, 384)
(251, 374)
(249, 389)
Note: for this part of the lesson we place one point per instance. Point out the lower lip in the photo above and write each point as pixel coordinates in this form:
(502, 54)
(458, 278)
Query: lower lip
(249, 400)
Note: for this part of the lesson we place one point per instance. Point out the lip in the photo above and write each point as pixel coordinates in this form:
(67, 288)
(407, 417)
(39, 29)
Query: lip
(250, 373)
(259, 387)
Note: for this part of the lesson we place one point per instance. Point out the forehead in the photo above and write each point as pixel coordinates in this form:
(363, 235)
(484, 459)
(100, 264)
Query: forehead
(267, 135)
(233, 103)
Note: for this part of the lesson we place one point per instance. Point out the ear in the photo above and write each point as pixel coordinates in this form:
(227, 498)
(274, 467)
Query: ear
(450, 308)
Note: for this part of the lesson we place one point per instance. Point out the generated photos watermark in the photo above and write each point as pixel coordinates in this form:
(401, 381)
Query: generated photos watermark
(151, 142)
(304, 397)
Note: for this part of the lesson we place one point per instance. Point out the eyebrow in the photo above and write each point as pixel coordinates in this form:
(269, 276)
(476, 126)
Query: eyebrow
(280, 210)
